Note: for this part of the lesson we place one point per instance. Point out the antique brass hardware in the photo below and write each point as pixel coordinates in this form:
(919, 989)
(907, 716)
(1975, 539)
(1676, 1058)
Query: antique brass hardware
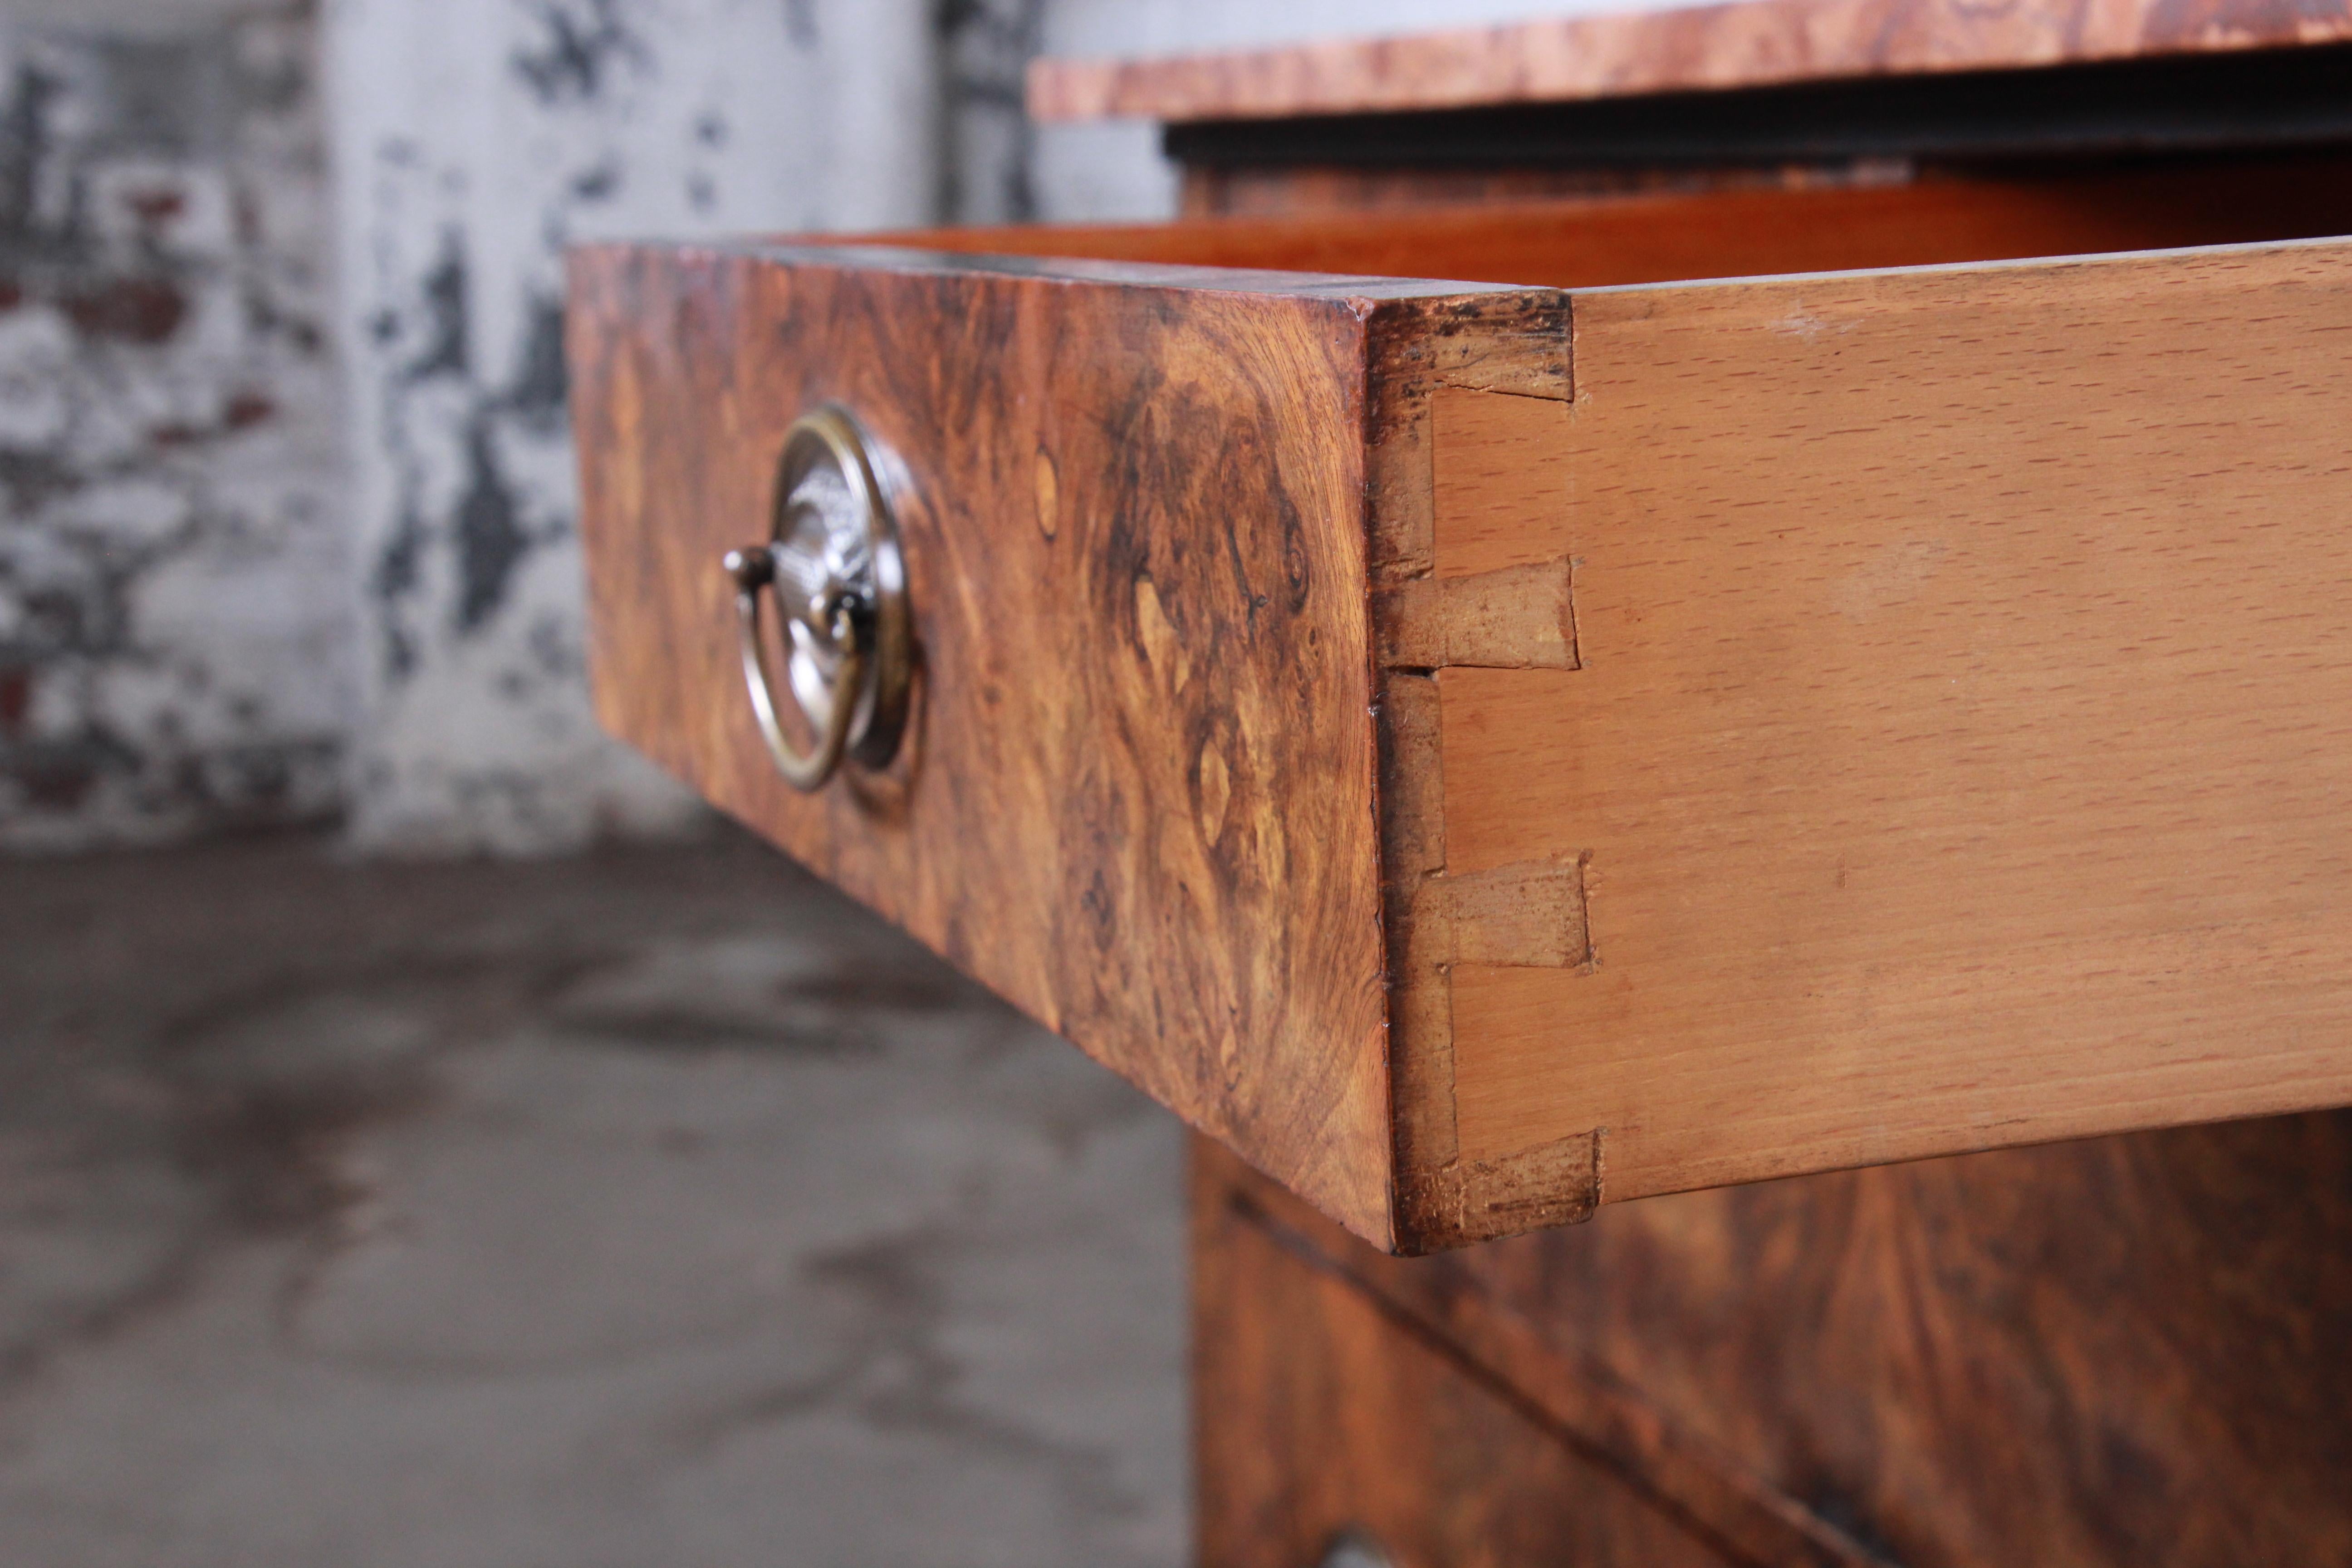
(832, 562)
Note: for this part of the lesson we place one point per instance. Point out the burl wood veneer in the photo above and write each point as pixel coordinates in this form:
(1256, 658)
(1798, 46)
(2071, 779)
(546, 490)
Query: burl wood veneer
(1486, 751)
(2121, 1353)
(1753, 43)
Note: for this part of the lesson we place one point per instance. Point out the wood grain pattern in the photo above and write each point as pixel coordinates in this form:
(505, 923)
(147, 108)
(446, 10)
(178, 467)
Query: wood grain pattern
(1276, 1287)
(2121, 1352)
(1751, 43)
(1319, 1414)
(1959, 753)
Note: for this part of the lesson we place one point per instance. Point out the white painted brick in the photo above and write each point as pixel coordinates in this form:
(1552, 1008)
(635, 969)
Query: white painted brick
(136, 513)
(36, 354)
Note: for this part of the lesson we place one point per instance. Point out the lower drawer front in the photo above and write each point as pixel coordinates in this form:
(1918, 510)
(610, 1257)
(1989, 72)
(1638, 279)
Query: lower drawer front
(2079, 1354)
(1486, 752)
(1328, 1432)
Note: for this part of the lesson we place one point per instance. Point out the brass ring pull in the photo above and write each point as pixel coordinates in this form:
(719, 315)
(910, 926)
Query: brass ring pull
(832, 563)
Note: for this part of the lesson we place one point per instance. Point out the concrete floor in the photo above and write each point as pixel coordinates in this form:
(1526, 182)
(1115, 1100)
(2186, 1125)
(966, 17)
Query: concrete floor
(652, 1210)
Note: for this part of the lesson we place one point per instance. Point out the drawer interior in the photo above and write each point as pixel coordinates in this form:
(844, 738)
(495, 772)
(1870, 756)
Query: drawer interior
(1591, 242)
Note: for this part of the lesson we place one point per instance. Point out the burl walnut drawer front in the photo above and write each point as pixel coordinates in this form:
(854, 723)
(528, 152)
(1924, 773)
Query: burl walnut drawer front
(1484, 751)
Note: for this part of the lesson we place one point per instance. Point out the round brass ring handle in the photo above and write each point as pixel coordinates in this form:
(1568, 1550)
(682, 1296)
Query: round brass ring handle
(832, 563)
(752, 571)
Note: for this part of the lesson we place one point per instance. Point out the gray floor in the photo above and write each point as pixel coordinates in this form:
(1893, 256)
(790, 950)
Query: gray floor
(653, 1210)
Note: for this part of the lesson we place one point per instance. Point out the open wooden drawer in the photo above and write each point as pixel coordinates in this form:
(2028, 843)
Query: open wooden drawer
(1483, 750)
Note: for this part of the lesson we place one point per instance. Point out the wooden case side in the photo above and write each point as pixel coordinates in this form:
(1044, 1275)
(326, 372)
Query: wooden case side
(1138, 795)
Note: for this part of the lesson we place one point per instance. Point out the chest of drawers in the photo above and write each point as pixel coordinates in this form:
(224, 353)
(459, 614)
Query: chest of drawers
(1830, 649)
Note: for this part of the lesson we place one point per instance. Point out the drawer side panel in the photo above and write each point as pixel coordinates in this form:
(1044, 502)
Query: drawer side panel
(1961, 744)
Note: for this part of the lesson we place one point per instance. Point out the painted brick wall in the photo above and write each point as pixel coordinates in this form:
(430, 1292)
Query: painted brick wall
(473, 138)
(174, 626)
